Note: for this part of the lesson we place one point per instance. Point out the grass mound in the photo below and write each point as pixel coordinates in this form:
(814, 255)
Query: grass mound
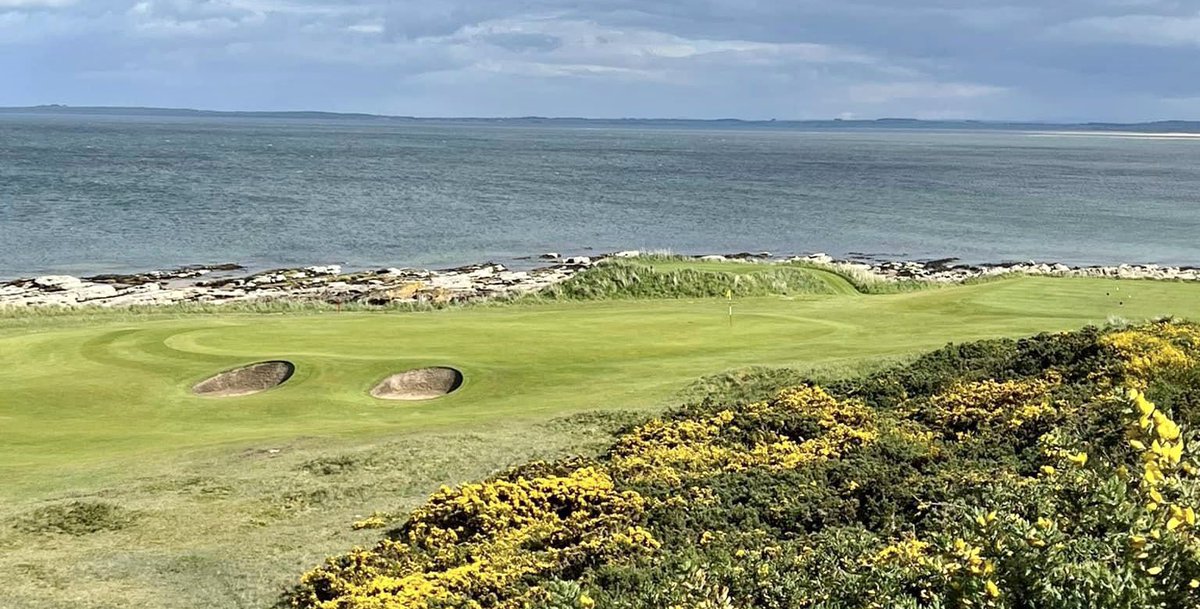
(1048, 472)
(76, 518)
(671, 278)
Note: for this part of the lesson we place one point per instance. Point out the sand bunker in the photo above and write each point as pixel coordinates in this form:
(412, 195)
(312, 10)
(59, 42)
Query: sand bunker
(420, 384)
(246, 380)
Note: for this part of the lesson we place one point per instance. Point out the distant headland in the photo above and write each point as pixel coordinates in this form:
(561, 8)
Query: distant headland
(1154, 127)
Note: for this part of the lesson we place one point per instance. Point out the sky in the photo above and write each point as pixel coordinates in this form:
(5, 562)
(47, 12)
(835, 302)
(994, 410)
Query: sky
(1052, 60)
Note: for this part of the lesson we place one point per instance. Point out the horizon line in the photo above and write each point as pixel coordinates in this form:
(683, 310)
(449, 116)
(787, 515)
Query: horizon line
(877, 119)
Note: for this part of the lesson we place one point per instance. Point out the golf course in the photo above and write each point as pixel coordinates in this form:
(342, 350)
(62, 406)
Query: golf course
(120, 486)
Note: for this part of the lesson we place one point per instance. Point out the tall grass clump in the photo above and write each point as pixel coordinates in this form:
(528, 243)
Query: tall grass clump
(866, 281)
(621, 279)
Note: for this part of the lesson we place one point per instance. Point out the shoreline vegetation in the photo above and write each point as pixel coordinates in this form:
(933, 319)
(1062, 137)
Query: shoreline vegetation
(625, 274)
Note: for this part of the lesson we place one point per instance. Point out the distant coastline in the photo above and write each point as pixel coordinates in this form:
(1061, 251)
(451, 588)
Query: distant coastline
(1174, 128)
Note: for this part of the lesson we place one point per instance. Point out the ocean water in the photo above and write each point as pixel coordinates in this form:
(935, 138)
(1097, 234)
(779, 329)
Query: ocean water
(86, 194)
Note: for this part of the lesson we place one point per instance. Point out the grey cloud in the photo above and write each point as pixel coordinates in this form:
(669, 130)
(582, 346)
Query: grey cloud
(517, 41)
(1102, 59)
(1140, 29)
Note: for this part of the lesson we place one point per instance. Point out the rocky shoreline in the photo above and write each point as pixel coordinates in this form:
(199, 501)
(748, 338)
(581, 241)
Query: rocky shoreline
(227, 283)
(949, 270)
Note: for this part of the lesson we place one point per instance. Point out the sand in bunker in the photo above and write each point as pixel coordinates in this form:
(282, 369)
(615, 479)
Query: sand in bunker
(420, 384)
(246, 380)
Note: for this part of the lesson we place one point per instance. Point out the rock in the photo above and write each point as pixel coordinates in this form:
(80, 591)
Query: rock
(225, 266)
(404, 292)
(58, 282)
(481, 281)
(223, 294)
(268, 278)
(487, 270)
(56, 299)
(451, 282)
(332, 269)
(95, 291)
(549, 256)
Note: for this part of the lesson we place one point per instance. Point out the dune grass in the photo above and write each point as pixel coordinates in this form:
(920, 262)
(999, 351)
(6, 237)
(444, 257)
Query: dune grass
(680, 278)
(822, 277)
(96, 409)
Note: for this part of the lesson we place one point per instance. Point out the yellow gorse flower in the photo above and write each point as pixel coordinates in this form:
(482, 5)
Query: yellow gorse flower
(992, 589)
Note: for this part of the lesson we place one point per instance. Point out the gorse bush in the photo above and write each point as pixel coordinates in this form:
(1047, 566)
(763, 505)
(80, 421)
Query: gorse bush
(1051, 472)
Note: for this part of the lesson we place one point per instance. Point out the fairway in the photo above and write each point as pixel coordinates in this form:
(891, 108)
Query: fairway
(93, 402)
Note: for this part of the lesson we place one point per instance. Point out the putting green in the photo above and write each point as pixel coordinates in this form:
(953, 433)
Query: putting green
(82, 394)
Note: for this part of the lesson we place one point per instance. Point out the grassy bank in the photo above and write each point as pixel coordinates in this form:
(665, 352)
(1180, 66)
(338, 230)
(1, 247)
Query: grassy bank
(664, 276)
(96, 408)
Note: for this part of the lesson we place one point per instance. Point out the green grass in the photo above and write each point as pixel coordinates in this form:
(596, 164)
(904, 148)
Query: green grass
(684, 278)
(830, 278)
(95, 408)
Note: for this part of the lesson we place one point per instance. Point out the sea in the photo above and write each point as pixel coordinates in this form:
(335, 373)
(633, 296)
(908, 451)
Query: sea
(98, 194)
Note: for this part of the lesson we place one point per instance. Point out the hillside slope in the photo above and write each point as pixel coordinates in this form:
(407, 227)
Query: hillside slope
(1046, 472)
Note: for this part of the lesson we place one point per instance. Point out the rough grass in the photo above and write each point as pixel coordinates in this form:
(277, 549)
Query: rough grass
(755, 383)
(229, 528)
(686, 279)
(852, 278)
(76, 518)
(867, 282)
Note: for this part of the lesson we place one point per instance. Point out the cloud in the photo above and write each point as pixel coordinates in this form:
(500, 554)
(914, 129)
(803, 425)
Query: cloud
(1151, 30)
(369, 27)
(787, 58)
(35, 3)
(587, 47)
(883, 93)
